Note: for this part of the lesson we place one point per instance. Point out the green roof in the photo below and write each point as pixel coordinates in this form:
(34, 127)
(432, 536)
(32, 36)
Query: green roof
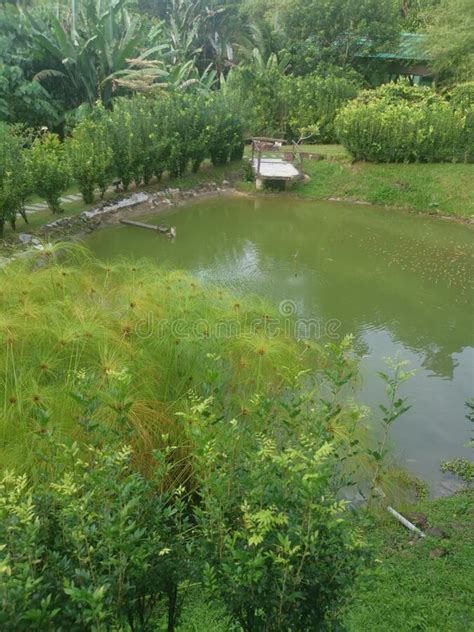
(410, 48)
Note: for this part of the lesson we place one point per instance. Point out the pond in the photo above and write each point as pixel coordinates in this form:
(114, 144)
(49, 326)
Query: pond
(401, 283)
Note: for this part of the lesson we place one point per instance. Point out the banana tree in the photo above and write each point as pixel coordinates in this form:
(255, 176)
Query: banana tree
(88, 45)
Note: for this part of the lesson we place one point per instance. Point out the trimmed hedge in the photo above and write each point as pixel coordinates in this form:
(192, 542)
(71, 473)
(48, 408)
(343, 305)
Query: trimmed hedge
(141, 138)
(402, 124)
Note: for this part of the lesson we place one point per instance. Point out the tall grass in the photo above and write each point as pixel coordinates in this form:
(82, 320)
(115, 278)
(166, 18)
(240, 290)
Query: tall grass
(123, 347)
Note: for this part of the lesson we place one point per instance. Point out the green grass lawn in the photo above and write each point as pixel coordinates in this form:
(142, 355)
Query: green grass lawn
(409, 590)
(446, 189)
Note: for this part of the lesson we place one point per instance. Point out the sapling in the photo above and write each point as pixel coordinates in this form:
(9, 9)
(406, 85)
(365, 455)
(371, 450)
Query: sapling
(395, 408)
(49, 168)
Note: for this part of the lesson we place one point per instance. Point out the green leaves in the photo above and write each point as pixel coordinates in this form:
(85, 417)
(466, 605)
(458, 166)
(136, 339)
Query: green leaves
(98, 549)
(281, 550)
(404, 124)
(90, 156)
(15, 176)
(49, 168)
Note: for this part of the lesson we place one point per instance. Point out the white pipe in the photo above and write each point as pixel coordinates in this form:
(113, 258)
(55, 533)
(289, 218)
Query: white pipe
(406, 523)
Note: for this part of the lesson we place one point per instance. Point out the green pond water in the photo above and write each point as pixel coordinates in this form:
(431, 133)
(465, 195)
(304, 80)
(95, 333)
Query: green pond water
(401, 283)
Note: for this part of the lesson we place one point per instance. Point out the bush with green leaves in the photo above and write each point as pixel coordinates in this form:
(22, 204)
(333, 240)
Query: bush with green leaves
(142, 132)
(49, 166)
(461, 97)
(225, 140)
(119, 129)
(384, 130)
(315, 101)
(96, 544)
(90, 157)
(15, 180)
(281, 550)
(150, 136)
(401, 91)
(100, 547)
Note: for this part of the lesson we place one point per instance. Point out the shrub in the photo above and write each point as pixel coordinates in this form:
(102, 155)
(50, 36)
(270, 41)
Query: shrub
(151, 136)
(98, 545)
(178, 137)
(461, 97)
(98, 548)
(315, 101)
(225, 133)
(198, 131)
(49, 167)
(15, 180)
(90, 157)
(136, 120)
(281, 551)
(381, 130)
(118, 126)
(395, 92)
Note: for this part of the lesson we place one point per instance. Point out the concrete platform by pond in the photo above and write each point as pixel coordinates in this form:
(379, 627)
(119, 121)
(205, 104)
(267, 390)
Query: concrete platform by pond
(274, 169)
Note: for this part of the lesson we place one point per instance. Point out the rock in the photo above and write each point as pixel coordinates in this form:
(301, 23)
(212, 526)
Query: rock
(24, 238)
(437, 532)
(448, 487)
(88, 214)
(36, 242)
(135, 198)
(418, 519)
(226, 183)
(435, 553)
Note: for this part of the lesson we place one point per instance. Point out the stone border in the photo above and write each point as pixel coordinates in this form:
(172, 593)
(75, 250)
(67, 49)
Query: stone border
(110, 213)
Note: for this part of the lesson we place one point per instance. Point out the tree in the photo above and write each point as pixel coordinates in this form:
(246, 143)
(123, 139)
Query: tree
(450, 40)
(14, 175)
(338, 31)
(87, 46)
(49, 169)
(25, 100)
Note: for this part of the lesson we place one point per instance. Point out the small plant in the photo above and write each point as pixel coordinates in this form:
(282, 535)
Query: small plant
(462, 467)
(49, 167)
(100, 547)
(396, 407)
